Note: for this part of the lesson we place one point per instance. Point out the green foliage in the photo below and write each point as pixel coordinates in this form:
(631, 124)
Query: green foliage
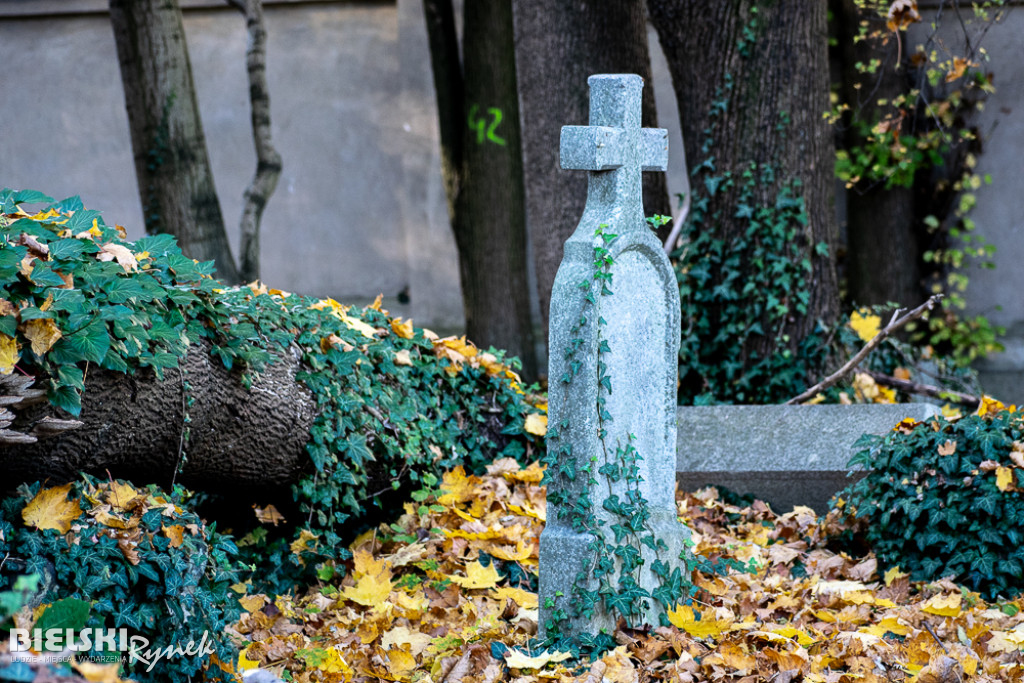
(102, 576)
(946, 499)
(739, 293)
(393, 404)
(125, 317)
(925, 138)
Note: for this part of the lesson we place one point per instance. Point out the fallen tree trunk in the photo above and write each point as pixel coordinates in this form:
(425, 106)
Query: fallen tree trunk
(133, 427)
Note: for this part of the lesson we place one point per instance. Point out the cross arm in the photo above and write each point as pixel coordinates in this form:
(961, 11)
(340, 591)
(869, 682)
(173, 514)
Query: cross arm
(654, 149)
(591, 148)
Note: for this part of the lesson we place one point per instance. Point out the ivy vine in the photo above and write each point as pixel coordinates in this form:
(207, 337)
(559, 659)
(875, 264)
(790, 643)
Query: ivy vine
(609, 578)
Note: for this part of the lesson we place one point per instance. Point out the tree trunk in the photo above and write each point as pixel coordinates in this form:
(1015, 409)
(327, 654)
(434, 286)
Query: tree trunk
(558, 46)
(883, 260)
(133, 427)
(171, 162)
(758, 74)
(483, 173)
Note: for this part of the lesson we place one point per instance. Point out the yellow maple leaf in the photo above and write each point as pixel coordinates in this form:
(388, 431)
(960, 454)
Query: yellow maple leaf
(359, 326)
(536, 424)
(520, 660)
(865, 323)
(253, 603)
(892, 574)
(51, 509)
(373, 582)
(119, 494)
(477, 576)
(457, 487)
(43, 333)
(403, 330)
(8, 354)
(697, 624)
(989, 406)
(793, 633)
(175, 533)
(887, 625)
(943, 605)
(244, 663)
(523, 598)
(334, 663)
(1004, 478)
(305, 541)
(400, 663)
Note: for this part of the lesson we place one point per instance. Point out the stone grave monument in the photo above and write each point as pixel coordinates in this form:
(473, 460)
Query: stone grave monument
(612, 533)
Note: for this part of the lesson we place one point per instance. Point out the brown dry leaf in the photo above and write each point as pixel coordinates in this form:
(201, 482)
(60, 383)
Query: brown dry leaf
(947, 448)
(51, 509)
(120, 253)
(901, 14)
(268, 515)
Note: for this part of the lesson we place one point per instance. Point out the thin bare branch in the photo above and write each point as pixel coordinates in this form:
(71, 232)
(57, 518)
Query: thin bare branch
(838, 375)
(918, 389)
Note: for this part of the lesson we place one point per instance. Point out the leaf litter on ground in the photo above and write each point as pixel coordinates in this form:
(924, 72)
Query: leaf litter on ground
(447, 593)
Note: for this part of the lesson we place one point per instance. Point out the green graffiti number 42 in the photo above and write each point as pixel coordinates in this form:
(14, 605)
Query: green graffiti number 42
(484, 131)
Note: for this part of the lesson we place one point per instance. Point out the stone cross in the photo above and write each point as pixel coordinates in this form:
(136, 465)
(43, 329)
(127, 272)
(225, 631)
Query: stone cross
(632, 335)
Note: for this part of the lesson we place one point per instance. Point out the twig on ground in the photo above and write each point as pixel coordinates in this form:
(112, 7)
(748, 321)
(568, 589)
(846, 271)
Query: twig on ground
(894, 324)
(905, 385)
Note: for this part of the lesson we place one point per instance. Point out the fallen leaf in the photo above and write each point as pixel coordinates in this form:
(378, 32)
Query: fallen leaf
(477, 576)
(536, 424)
(1004, 478)
(268, 515)
(516, 659)
(402, 329)
(8, 354)
(943, 605)
(403, 357)
(176, 534)
(697, 624)
(865, 324)
(51, 509)
(120, 253)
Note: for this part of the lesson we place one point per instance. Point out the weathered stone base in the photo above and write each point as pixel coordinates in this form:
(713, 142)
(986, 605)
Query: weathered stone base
(785, 455)
(562, 556)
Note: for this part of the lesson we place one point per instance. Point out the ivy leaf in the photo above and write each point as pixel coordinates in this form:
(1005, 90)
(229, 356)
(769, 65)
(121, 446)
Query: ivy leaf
(90, 343)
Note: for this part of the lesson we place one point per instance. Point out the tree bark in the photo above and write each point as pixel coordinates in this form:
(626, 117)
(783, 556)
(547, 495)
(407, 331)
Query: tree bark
(133, 427)
(883, 256)
(171, 162)
(483, 173)
(268, 161)
(558, 46)
(758, 65)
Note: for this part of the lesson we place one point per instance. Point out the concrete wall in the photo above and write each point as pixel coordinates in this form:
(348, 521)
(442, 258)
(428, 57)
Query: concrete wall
(359, 209)
(999, 215)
